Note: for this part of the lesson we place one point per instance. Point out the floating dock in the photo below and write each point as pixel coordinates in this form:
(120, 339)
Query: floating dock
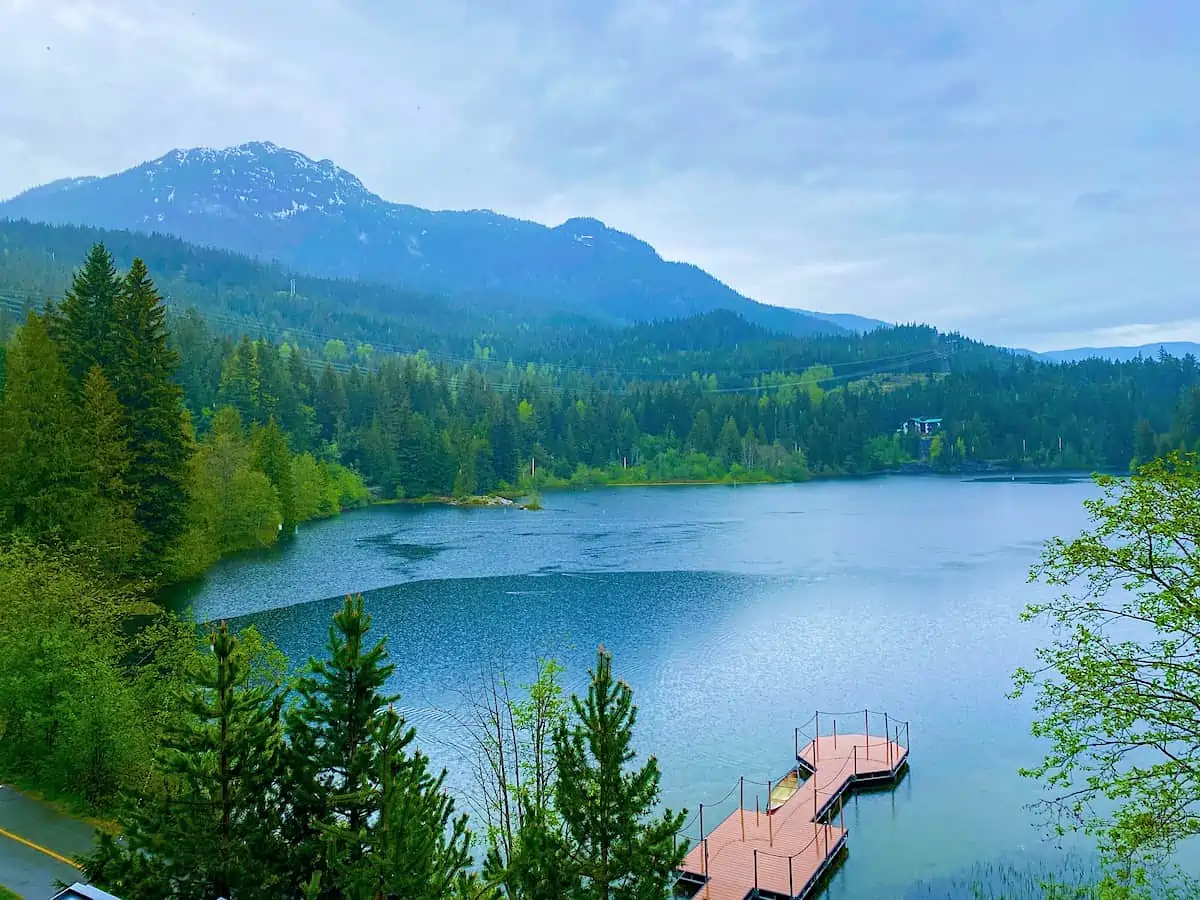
(784, 851)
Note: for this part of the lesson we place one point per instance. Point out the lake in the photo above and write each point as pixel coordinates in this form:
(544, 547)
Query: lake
(734, 612)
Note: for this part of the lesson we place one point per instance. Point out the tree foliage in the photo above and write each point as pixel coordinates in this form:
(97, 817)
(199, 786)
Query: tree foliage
(97, 451)
(1118, 690)
(619, 847)
(203, 830)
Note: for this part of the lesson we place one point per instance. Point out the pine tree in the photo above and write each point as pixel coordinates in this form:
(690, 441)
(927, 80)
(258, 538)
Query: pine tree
(418, 848)
(109, 522)
(41, 468)
(205, 829)
(540, 867)
(241, 381)
(729, 442)
(154, 405)
(617, 849)
(332, 752)
(85, 324)
(273, 459)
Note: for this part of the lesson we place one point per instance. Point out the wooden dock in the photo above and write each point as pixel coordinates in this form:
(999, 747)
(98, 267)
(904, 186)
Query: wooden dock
(783, 852)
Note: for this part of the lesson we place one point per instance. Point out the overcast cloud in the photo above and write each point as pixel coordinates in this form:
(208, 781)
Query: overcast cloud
(1025, 172)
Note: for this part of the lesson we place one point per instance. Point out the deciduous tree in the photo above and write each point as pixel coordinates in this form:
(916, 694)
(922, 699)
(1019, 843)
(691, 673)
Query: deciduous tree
(1117, 692)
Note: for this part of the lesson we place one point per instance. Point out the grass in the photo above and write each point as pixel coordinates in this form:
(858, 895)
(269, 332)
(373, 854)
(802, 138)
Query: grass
(6, 894)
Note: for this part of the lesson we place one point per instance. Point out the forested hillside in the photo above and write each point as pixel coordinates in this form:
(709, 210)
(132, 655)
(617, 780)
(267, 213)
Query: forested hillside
(99, 454)
(135, 450)
(534, 403)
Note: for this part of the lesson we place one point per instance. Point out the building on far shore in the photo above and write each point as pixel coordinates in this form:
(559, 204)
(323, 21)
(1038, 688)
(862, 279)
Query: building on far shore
(920, 426)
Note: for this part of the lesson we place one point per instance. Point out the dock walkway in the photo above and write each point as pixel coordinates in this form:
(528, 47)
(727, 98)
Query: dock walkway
(782, 853)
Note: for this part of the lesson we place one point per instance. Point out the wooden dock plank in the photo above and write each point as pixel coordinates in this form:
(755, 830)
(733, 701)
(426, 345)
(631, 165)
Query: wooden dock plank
(783, 850)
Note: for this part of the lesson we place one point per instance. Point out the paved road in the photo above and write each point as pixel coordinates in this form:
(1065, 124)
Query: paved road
(33, 873)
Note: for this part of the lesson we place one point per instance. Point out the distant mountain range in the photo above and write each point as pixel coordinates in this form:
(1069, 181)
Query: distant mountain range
(318, 219)
(1121, 354)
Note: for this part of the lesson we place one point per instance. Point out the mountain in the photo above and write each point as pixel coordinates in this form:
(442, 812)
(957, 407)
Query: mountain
(1122, 354)
(849, 321)
(318, 219)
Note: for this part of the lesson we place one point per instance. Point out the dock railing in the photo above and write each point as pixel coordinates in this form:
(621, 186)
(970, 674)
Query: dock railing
(868, 722)
(820, 843)
(751, 799)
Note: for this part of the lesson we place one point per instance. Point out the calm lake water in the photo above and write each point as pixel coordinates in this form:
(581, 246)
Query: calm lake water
(734, 612)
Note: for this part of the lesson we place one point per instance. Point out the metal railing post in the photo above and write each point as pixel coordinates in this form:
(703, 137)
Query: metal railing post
(755, 871)
(835, 734)
(742, 803)
(867, 728)
(887, 733)
(906, 742)
(816, 736)
(796, 741)
(791, 887)
(856, 760)
(702, 821)
(706, 857)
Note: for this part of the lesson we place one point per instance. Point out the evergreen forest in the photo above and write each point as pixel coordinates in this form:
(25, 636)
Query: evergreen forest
(141, 440)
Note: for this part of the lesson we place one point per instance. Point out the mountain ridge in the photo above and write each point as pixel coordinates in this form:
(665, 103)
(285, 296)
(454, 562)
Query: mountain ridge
(278, 204)
(1122, 353)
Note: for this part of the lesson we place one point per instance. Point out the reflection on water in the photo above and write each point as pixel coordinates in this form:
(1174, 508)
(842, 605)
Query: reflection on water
(734, 613)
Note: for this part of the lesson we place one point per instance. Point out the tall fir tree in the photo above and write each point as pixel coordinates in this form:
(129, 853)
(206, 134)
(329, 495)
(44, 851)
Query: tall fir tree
(158, 436)
(85, 324)
(109, 522)
(204, 829)
(241, 383)
(417, 848)
(618, 849)
(41, 466)
(332, 752)
(273, 458)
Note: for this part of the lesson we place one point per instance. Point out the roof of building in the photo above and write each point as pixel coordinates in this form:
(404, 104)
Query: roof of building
(80, 891)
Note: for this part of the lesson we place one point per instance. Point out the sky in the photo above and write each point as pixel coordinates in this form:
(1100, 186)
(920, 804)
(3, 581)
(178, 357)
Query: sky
(1026, 172)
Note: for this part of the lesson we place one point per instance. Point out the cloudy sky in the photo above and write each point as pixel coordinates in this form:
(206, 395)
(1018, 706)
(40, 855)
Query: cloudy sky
(1027, 171)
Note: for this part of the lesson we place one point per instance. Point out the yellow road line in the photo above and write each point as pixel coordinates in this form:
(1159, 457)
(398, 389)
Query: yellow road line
(39, 848)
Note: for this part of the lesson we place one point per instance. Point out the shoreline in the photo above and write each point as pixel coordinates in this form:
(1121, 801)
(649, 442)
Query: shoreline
(516, 499)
